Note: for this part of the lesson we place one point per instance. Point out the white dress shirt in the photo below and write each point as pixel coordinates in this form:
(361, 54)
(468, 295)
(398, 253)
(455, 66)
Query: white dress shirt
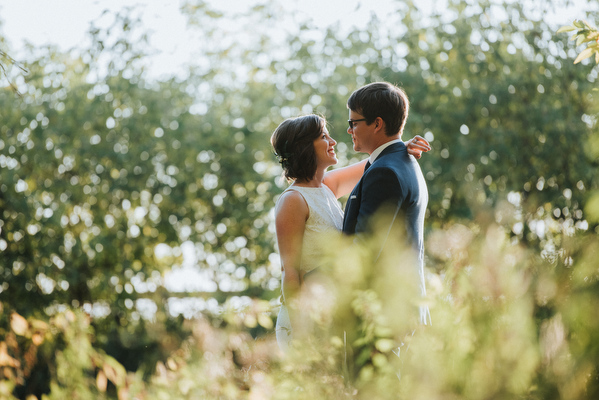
(377, 152)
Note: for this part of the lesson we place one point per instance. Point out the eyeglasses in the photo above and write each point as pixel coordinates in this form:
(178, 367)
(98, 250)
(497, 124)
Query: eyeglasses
(352, 121)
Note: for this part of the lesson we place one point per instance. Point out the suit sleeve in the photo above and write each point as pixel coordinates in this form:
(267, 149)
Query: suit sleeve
(380, 187)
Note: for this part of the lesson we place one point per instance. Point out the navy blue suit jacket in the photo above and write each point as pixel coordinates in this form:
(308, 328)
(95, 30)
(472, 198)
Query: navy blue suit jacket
(396, 181)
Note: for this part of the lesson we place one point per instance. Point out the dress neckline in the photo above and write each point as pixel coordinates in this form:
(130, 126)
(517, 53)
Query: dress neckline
(307, 187)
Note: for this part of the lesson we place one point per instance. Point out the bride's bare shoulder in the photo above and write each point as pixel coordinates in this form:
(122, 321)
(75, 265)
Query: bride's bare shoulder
(291, 201)
(290, 197)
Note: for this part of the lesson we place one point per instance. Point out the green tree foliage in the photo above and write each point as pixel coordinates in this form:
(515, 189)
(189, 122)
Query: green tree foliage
(585, 33)
(6, 61)
(96, 173)
(108, 180)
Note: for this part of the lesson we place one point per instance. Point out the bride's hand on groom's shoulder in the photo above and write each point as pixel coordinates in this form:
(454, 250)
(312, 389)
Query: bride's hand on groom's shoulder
(417, 145)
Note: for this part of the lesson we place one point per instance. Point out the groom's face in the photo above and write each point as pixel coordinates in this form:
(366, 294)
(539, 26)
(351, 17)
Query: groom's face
(360, 133)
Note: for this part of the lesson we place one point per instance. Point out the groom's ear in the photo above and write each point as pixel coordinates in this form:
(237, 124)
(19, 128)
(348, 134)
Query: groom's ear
(379, 125)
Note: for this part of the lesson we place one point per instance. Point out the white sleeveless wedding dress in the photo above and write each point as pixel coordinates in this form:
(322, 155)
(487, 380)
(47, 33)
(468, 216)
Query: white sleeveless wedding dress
(325, 217)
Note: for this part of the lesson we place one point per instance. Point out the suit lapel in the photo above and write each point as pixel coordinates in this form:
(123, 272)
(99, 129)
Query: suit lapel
(351, 210)
(352, 207)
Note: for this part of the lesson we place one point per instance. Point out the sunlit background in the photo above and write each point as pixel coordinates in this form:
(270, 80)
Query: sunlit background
(174, 46)
(137, 186)
(66, 23)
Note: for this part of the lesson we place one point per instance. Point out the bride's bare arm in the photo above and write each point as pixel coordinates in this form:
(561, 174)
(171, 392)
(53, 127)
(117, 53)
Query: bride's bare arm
(291, 214)
(341, 181)
(417, 145)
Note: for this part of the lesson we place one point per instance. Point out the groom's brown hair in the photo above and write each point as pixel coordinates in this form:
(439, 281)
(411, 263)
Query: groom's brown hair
(382, 99)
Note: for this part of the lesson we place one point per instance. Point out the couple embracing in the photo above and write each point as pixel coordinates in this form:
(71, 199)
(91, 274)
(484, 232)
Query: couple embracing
(308, 208)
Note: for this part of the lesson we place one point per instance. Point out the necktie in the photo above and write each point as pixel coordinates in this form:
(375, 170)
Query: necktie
(367, 165)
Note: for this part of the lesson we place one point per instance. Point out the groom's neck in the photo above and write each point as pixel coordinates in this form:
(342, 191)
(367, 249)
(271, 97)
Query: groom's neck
(383, 140)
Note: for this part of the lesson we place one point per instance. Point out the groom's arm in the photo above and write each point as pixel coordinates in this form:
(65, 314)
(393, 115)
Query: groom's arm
(380, 187)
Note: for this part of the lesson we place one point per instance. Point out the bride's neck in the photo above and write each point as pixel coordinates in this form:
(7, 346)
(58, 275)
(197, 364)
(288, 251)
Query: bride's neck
(314, 182)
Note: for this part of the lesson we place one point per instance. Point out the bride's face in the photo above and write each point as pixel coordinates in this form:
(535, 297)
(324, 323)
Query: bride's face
(324, 148)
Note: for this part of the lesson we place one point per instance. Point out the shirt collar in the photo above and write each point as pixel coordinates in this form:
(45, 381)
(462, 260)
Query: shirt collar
(377, 152)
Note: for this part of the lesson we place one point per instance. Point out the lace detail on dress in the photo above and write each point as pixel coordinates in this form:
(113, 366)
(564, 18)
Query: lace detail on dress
(325, 217)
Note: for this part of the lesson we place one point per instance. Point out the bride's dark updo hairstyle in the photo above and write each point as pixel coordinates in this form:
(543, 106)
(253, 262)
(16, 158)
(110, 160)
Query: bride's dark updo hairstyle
(293, 143)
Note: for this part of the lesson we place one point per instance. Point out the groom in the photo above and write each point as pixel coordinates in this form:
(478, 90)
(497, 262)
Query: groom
(377, 116)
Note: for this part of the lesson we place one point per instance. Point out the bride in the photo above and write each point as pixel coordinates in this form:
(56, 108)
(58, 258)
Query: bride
(309, 207)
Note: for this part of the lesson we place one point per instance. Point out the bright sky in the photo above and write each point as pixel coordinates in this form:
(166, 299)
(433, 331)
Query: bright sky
(65, 22)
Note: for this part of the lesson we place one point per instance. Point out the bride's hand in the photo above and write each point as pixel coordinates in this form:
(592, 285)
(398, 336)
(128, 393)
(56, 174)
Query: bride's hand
(417, 145)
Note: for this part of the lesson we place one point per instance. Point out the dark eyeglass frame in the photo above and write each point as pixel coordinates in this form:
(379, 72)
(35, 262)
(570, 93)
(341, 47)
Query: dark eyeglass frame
(351, 122)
